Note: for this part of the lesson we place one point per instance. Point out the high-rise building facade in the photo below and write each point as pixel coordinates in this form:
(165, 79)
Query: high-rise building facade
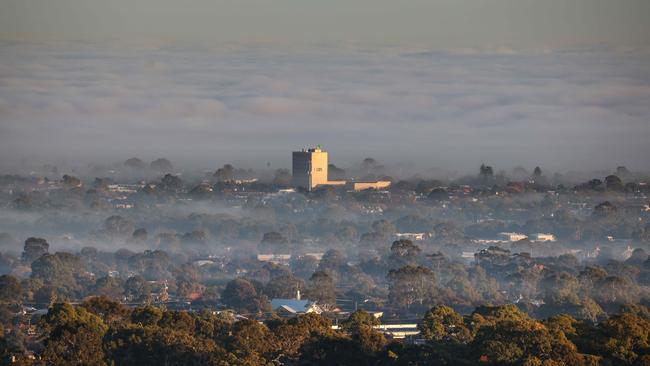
(310, 171)
(310, 168)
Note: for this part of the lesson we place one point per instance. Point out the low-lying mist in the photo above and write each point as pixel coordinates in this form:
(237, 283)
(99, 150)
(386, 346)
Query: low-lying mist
(201, 107)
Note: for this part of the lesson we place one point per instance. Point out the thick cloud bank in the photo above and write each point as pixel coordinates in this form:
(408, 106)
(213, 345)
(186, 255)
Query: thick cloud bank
(79, 102)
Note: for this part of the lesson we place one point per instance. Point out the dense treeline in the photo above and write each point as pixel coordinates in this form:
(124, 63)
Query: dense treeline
(102, 332)
(178, 211)
(403, 281)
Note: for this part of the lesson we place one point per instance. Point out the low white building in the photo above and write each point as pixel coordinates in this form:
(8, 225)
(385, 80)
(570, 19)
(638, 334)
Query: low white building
(512, 236)
(274, 258)
(412, 236)
(542, 237)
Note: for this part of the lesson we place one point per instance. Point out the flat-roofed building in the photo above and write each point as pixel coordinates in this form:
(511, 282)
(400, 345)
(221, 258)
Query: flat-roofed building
(310, 169)
(362, 186)
(275, 258)
(412, 236)
(542, 237)
(512, 236)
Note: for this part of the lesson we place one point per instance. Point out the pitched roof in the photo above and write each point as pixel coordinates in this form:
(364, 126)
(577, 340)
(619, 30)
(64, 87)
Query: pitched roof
(285, 308)
(296, 305)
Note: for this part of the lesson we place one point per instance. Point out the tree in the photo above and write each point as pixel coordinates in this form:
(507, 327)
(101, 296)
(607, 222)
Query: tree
(332, 261)
(108, 286)
(61, 270)
(615, 291)
(561, 323)
(613, 183)
(10, 289)
(589, 310)
(171, 184)
(12, 348)
(403, 252)
(153, 265)
(133, 345)
(188, 285)
(284, 286)
(357, 319)
(134, 163)
(486, 172)
(251, 342)
(136, 289)
(146, 315)
(303, 266)
(639, 255)
(46, 295)
(140, 235)
(447, 232)
(292, 334)
(71, 182)
(242, 295)
(438, 195)
(202, 191)
(368, 164)
(538, 178)
(34, 248)
(274, 242)
(225, 173)
(604, 209)
(370, 340)
(282, 178)
(321, 289)
(410, 285)
(74, 336)
(161, 165)
(636, 309)
(589, 277)
(118, 226)
(624, 337)
(334, 349)
(442, 323)
(88, 253)
(360, 325)
(335, 173)
(384, 227)
(110, 311)
(519, 339)
(560, 288)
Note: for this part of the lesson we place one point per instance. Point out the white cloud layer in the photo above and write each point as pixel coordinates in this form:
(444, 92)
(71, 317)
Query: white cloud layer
(88, 101)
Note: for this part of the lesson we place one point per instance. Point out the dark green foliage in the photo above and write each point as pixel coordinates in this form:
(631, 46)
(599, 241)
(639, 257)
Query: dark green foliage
(100, 332)
(75, 336)
(442, 323)
(10, 289)
(243, 296)
(61, 271)
(34, 248)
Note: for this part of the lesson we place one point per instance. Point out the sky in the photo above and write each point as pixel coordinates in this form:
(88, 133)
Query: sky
(439, 23)
(435, 83)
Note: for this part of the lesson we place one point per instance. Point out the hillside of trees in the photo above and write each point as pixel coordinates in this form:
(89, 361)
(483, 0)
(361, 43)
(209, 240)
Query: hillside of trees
(103, 332)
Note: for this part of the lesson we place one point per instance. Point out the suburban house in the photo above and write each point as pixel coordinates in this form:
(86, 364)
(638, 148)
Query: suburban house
(293, 307)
